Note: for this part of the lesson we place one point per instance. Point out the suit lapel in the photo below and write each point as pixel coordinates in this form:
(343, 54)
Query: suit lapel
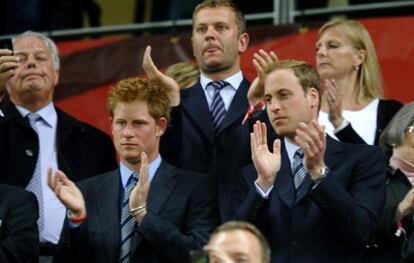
(238, 106)
(161, 187)
(107, 199)
(284, 181)
(333, 148)
(194, 101)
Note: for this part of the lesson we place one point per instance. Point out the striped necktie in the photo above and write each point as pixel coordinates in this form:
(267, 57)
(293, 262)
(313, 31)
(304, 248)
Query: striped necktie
(298, 170)
(35, 184)
(127, 221)
(218, 109)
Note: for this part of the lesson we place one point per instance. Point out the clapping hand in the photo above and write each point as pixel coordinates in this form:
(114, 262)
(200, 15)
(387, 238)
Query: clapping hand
(261, 61)
(267, 163)
(165, 81)
(139, 194)
(311, 138)
(334, 97)
(67, 192)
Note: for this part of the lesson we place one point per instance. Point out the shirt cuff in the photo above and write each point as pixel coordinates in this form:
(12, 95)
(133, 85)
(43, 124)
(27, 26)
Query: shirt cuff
(263, 194)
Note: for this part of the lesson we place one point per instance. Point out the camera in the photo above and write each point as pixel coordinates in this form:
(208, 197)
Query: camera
(6, 43)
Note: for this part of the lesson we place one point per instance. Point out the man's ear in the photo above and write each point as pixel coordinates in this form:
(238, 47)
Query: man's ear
(56, 78)
(161, 126)
(313, 97)
(110, 124)
(243, 42)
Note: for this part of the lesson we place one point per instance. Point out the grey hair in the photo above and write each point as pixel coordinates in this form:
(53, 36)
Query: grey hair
(48, 42)
(394, 133)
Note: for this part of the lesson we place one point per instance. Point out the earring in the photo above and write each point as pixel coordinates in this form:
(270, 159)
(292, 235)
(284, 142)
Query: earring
(356, 68)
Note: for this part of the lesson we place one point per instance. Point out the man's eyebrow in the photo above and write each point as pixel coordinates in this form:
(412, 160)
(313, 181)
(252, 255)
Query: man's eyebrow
(37, 50)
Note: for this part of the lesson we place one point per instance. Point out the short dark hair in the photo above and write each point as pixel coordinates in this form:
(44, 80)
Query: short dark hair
(245, 226)
(240, 20)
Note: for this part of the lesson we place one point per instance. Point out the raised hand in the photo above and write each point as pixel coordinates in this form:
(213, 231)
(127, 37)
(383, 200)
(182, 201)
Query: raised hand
(267, 164)
(165, 81)
(406, 206)
(311, 138)
(8, 63)
(139, 194)
(334, 97)
(261, 61)
(67, 192)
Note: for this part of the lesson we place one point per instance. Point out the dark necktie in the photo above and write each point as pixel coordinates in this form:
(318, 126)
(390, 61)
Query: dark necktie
(35, 184)
(218, 109)
(298, 170)
(127, 222)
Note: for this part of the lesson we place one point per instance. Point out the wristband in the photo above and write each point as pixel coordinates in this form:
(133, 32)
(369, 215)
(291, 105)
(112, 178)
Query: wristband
(139, 212)
(76, 220)
(133, 210)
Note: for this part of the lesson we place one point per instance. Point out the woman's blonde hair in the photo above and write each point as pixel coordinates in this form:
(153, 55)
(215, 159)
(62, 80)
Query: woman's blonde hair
(369, 73)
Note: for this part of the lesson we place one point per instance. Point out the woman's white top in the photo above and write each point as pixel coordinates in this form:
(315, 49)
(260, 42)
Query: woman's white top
(364, 121)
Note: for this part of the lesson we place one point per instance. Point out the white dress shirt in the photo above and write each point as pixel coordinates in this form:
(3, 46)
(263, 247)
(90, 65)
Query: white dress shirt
(227, 93)
(54, 210)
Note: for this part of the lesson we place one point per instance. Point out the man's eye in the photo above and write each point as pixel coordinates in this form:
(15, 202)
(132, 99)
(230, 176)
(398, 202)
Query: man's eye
(201, 29)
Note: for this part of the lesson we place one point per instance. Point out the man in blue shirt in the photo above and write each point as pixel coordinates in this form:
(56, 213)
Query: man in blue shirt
(172, 211)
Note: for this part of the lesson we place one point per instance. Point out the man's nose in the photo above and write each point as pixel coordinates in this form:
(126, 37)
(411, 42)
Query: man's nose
(128, 131)
(211, 32)
(31, 61)
(274, 105)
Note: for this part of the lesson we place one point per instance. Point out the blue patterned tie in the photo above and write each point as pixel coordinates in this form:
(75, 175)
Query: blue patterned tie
(127, 221)
(35, 184)
(298, 170)
(218, 109)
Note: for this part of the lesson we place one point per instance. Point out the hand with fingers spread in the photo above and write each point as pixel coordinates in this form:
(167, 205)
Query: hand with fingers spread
(334, 97)
(139, 194)
(261, 61)
(8, 63)
(311, 138)
(267, 164)
(406, 206)
(67, 192)
(165, 81)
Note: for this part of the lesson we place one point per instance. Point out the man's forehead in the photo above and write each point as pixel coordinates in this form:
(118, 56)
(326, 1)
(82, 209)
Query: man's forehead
(215, 15)
(29, 42)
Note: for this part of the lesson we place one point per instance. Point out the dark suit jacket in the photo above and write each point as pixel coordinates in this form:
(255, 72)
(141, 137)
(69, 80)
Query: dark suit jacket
(83, 151)
(330, 223)
(191, 143)
(182, 213)
(386, 110)
(19, 239)
(388, 246)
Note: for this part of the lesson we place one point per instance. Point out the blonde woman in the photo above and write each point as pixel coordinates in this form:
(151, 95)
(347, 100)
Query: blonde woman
(352, 110)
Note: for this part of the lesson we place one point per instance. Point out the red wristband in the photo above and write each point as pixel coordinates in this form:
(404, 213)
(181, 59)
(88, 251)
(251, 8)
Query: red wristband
(76, 220)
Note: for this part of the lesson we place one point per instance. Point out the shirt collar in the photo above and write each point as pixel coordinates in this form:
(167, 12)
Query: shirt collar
(291, 148)
(126, 172)
(234, 80)
(48, 114)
